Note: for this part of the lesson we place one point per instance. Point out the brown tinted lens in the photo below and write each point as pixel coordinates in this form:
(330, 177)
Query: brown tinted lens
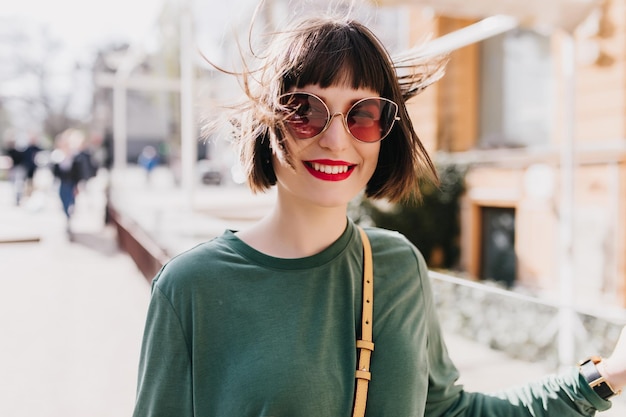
(370, 120)
(306, 115)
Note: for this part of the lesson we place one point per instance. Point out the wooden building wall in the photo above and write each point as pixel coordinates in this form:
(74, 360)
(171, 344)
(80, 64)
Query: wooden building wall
(446, 117)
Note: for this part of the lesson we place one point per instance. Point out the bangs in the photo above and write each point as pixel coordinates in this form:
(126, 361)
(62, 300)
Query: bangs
(338, 54)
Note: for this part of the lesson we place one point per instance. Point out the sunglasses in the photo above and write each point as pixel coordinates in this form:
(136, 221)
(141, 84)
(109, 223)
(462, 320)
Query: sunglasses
(369, 120)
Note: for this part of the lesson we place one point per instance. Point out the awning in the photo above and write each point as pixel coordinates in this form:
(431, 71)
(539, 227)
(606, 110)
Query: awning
(538, 14)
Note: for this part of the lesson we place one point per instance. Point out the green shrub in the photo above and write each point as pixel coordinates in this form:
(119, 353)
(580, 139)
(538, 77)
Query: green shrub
(432, 223)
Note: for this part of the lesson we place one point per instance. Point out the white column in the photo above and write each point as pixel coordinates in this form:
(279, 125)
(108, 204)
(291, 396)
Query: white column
(566, 335)
(188, 131)
(133, 55)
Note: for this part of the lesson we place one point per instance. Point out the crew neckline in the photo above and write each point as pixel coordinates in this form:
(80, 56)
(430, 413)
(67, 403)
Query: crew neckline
(321, 258)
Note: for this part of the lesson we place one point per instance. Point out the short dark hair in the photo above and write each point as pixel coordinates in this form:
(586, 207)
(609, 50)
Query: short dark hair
(327, 51)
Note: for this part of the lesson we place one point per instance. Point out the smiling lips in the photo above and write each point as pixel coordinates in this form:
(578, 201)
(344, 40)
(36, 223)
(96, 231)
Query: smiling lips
(328, 170)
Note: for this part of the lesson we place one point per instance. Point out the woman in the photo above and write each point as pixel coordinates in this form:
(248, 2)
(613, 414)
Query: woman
(67, 170)
(263, 321)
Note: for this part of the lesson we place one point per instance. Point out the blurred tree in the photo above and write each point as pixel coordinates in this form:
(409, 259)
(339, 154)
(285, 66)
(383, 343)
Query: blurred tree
(35, 89)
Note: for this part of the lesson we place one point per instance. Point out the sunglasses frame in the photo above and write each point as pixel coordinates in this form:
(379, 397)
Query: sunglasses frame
(330, 116)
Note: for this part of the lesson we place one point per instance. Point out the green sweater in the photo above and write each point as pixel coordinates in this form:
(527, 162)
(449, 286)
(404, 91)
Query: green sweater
(232, 332)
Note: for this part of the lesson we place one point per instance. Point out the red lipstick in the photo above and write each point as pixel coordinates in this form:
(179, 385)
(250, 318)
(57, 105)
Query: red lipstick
(329, 170)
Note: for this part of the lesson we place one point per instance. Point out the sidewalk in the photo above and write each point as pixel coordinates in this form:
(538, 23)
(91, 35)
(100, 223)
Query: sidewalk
(72, 313)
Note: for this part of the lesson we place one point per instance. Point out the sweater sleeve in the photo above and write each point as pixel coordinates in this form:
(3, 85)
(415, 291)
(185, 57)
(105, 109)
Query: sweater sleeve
(566, 394)
(164, 386)
(563, 395)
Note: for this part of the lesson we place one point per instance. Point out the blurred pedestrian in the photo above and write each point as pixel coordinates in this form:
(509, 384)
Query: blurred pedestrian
(86, 164)
(281, 318)
(68, 170)
(148, 159)
(17, 172)
(30, 162)
(108, 150)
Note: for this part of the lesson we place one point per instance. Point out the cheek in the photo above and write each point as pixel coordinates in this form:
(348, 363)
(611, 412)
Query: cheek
(370, 153)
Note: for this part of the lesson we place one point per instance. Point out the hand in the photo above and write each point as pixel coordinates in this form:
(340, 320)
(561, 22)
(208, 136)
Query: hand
(613, 368)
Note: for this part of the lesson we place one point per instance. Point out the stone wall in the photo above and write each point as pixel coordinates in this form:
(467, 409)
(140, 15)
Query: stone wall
(521, 328)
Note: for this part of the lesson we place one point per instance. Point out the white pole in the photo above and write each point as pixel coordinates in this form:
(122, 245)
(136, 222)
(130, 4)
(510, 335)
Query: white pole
(188, 134)
(133, 55)
(566, 336)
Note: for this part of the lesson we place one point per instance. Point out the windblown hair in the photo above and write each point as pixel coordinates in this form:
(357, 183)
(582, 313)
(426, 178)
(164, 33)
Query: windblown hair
(329, 51)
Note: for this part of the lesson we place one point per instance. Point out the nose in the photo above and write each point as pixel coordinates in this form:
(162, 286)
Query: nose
(336, 136)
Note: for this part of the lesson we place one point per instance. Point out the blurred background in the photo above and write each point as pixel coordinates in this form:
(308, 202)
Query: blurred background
(525, 237)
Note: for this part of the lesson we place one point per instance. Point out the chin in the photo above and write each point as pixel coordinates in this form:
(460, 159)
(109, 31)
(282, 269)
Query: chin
(334, 201)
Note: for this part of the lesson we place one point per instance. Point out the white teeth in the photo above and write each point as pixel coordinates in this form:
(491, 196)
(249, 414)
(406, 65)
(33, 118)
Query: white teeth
(330, 169)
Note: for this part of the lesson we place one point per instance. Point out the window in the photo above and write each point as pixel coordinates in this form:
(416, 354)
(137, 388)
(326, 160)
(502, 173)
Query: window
(516, 90)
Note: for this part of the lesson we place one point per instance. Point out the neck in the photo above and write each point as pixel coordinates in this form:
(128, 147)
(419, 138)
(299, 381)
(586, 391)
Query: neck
(296, 233)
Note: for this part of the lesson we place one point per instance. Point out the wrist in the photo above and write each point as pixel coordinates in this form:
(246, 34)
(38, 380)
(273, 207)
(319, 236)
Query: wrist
(614, 378)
